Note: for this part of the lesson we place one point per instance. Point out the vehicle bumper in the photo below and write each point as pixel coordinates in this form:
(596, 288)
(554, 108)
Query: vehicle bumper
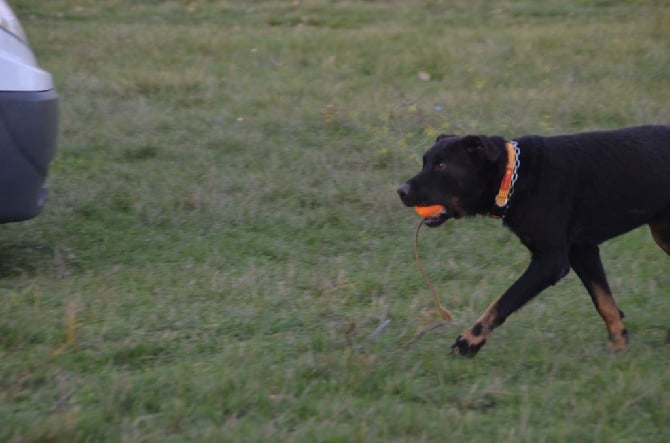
(28, 133)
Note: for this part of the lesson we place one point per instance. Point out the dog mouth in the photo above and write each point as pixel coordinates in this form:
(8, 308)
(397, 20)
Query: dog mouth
(437, 220)
(451, 210)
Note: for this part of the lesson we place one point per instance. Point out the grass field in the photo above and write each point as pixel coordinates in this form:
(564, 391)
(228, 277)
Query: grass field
(224, 259)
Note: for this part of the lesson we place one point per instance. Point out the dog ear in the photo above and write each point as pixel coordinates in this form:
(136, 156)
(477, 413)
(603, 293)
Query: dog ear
(480, 147)
(443, 136)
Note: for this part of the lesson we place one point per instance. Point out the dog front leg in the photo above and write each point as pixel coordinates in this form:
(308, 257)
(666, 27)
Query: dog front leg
(540, 274)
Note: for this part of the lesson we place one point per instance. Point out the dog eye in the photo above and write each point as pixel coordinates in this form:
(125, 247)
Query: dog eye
(441, 167)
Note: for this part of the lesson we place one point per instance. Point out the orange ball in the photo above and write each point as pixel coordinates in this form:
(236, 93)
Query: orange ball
(429, 211)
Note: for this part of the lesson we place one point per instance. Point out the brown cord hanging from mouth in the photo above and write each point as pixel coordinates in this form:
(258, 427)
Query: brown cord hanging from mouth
(444, 312)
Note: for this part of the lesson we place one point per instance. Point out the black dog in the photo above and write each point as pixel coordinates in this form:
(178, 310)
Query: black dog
(562, 196)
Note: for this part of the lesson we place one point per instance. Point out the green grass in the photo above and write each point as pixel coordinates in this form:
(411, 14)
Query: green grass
(223, 257)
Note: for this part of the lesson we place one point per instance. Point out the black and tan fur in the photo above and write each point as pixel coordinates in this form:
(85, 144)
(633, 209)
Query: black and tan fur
(572, 193)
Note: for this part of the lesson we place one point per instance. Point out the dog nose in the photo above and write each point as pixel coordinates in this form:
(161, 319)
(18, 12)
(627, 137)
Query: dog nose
(403, 190)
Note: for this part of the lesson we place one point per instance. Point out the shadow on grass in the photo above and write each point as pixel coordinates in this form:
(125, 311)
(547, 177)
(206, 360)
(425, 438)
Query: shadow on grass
(24, 258)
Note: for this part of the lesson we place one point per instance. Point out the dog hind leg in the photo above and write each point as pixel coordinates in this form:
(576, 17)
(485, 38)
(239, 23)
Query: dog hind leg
(660, 230)
(585, 260)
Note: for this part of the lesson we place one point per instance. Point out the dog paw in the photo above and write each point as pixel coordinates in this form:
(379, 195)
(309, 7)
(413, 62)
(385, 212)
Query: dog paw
(467, 345)
(619, 341)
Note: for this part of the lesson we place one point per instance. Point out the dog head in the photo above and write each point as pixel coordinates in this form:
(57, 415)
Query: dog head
(456, 173)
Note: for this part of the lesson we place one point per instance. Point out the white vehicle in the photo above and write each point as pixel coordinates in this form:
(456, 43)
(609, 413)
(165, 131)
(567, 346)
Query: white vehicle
(28, 123)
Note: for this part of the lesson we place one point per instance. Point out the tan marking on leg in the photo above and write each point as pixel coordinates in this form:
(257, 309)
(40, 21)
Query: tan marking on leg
(473, 338)
(661, 234)
(609, 311)
(489, 319)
